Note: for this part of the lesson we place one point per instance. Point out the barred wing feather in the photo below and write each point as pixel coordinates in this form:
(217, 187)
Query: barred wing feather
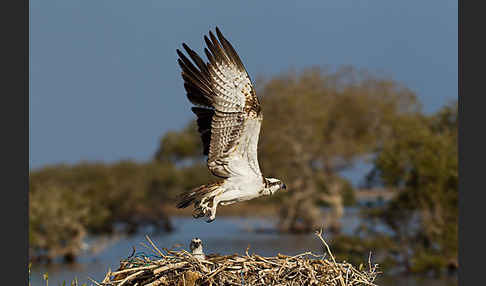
(228, 112)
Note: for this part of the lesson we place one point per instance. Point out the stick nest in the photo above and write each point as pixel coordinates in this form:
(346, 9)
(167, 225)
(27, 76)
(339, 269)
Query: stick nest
(181, 268)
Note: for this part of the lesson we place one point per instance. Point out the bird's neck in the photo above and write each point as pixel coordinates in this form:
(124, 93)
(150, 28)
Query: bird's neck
(197, 250)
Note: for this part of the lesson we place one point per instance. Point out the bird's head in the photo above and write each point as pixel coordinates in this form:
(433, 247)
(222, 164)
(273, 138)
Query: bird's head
(273, 185)
(196, 244)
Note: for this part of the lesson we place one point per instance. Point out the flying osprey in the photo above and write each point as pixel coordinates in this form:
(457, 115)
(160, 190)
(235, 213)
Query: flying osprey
(229, 117)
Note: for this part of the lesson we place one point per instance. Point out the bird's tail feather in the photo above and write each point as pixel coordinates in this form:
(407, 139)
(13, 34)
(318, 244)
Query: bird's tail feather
(186, 198)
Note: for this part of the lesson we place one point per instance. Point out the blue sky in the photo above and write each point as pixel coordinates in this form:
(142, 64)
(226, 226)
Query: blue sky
(105, 84)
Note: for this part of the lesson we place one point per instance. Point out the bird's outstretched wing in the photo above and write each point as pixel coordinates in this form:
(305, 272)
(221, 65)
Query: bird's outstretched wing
(228, 112)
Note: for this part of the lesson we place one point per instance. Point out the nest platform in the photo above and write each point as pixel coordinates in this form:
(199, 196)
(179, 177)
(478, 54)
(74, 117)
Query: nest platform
(181, 268)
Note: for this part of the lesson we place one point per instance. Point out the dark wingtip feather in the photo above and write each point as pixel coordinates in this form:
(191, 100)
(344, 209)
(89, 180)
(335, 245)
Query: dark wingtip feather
(213, 38)
(220, 35)
(181, 64)
(218, 31)
(206, 39)
(186, 47)
(230, 50)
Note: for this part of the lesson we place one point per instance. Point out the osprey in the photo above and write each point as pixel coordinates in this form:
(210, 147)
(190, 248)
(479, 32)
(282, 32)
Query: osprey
(229, 117)
(197, 248)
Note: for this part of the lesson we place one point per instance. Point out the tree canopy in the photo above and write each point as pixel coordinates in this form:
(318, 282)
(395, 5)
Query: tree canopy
(420, 161)
(317, 123)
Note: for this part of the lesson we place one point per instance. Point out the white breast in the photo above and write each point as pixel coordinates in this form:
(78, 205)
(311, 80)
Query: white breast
(238, 189)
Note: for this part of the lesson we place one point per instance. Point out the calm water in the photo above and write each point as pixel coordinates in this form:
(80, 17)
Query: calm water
(224, 236)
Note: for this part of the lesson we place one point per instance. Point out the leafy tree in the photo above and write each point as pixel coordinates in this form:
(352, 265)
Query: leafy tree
(67, 202)
(419, 160)
(56, 218)
(318, 123)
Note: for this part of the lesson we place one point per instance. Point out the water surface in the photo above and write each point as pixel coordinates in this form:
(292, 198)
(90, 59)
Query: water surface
(226, 235)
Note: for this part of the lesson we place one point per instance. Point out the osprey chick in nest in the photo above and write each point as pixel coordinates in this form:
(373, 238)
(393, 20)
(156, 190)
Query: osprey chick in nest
(229, 118)
(197, 248)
